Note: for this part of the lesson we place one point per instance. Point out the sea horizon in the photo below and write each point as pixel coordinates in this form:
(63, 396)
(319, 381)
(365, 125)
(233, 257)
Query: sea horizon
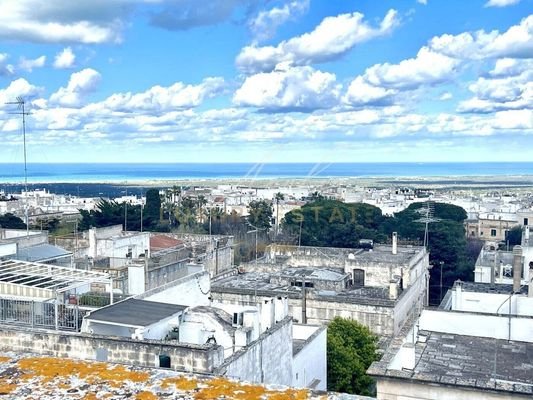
(142, 172)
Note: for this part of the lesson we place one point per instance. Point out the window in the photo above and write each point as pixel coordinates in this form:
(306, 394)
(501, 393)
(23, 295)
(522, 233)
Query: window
(526, 221)
(493, 232)
(237, 318)
(164, 361)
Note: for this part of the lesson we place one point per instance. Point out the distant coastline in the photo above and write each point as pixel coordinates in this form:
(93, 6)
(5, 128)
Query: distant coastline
(114, 180)
(154, 174)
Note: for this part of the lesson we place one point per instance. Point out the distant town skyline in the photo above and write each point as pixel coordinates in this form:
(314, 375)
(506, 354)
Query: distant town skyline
(264, 82)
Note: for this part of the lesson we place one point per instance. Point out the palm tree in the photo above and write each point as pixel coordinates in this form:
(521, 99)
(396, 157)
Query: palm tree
(176, 193)
(202, 201)
(278, 196)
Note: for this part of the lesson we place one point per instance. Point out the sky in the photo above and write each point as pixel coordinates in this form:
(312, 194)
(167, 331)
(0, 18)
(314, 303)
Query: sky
(267, 81)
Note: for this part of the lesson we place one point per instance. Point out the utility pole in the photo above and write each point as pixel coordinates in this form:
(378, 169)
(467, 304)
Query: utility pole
(256, 229)
(142, 206)
(300, 235)
(210, 210)
(441, 263)
(126, 212)
(21, 106)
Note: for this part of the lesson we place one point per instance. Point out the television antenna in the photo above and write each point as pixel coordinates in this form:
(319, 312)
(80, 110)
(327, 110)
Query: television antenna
(428, 217)
(21, 105)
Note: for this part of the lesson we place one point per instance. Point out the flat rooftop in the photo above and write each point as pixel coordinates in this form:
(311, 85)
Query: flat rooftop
(468, 361)
(383, 254)
(134, 312)
(488, 258)
(25, 375)
(323, 274)
(259, 282)
(379, 254)
(497, 288)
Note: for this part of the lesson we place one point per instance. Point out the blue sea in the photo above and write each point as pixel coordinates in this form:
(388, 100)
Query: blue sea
(101, 173)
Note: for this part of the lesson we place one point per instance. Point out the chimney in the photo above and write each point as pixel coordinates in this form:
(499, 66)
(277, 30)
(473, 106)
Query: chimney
(393, 289)
(517, 268)
(526, 236)
(457, 296)
(394, 243)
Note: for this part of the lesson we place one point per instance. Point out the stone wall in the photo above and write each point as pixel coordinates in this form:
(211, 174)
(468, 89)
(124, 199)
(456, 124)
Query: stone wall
(191, 290)
(396, 389)
(183, 357)
(377, 314)
(305, 256)
(266, 360)
(215, 252)
(162, 275)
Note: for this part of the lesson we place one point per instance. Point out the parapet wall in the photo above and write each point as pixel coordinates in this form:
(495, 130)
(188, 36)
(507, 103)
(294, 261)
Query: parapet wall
(183, 357)
(266, 360)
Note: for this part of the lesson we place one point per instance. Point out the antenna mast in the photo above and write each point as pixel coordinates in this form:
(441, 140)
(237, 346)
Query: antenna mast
(21, 104)
(428, 213)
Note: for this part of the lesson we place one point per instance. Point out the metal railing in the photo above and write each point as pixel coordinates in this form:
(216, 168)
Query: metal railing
(41, 315)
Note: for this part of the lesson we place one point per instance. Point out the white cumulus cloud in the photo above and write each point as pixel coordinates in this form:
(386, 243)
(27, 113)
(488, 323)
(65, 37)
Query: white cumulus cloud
(80, 84)
(293, 88)
(513, 92)
(428, 67)
(501, 3)
(332, 38)
(65, 59)
(158, 98)
(56, 21)
(18, 88)
(29, 64)
(516, 42)
(5, 67)
(360, 92)
(265, 23)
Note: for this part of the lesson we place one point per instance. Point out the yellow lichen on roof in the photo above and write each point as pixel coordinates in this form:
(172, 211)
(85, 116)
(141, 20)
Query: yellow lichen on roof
(6, 388)
(289, 394)
(4, 359)
(54, 378)
(219, 388)
(180, 383)
(49, 368)
(145, 395)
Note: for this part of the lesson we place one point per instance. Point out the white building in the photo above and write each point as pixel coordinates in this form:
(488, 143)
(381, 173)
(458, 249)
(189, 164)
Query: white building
(478, 345)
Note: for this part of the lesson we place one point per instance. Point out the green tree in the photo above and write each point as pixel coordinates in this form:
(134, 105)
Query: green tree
(514, 236)
(351, 348)
(332, 223)
(107, 213)
(152, 209)
(186, 213)
(260, 214)
(11, 221)
(448, 247)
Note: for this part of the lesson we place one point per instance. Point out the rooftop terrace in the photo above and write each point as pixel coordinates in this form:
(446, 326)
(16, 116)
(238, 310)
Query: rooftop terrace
(32, 279)
(46, 378)
(467, 361)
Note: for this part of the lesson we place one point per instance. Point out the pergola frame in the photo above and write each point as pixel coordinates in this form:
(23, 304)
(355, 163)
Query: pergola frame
(51, 277)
